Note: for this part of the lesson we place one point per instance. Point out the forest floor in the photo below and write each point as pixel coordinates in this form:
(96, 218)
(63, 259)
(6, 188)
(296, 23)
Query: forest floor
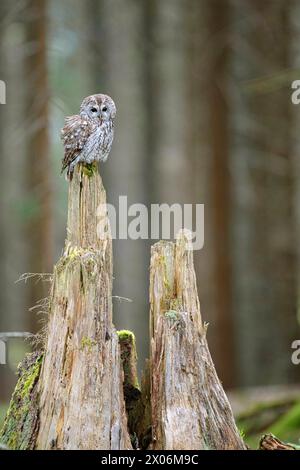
(258, 410)
(272, 409)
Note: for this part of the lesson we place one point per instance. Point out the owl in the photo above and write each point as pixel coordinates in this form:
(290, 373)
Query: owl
(88, 136)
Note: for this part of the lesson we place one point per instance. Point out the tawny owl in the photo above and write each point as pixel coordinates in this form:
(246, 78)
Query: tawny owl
(88, 136)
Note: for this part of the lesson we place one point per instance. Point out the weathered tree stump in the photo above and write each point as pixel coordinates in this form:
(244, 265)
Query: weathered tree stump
(71, 395)
(189, 407)
(81, 397)
(75, 400)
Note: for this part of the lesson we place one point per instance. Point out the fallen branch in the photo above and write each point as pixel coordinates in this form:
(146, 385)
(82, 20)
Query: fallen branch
(270, 442)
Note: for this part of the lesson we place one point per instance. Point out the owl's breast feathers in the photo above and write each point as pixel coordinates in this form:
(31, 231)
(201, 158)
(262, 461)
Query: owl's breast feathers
(74, 135)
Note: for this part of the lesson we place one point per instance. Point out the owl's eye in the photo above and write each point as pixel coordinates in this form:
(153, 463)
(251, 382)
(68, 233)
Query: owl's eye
(104, 108)
(94, 110)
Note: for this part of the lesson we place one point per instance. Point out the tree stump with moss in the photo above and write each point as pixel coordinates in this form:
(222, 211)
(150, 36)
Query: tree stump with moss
(22, 420)
(78, 398)
(80, 388)
(82, 391)
(190, 409)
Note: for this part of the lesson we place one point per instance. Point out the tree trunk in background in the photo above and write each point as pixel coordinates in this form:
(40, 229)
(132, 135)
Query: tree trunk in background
(87, 24)
(219, 112)
(38, 171)
(166, 103)
(295, 61)
(123, 59)
(208, 151)
(3, 237)
(167, 176)
(2, 166)
(97, 47)
(264, 257)
(12, 190)
(150, 80)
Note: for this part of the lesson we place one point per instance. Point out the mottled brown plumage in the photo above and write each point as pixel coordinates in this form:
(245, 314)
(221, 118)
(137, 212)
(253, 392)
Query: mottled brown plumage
(88, 136)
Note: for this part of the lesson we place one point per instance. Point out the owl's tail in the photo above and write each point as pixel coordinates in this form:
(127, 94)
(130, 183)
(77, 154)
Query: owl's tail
(68, 174)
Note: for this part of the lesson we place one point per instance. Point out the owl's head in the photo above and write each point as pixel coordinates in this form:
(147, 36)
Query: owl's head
(98, 107)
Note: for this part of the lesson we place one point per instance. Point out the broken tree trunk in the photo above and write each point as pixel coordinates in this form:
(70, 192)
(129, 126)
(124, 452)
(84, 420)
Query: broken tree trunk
(80, 387)
(131, 388)
(270, 442)
(189, 407)
(70, 396)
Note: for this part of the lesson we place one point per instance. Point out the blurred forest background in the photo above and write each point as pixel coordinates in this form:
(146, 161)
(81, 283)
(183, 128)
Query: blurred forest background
(203, 91)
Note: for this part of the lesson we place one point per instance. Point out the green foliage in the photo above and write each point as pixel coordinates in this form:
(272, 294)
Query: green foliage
(280, 418)
(287, 427)
(126, 335)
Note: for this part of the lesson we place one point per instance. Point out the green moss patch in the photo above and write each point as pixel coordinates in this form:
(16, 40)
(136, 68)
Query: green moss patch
(89, 169)
(21, 422)
(87, 343)
(129, 358)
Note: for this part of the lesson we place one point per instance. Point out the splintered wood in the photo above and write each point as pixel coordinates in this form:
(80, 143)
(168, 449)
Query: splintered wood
(190, 409)
(80, 388)
(70, 396)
